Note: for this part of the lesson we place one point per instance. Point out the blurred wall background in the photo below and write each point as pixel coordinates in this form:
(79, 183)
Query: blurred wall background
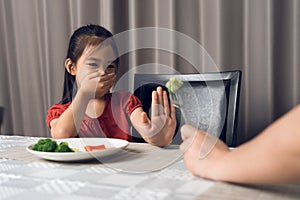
(259, 37)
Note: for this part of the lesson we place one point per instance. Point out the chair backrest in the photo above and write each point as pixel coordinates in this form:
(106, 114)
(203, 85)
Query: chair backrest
(210, 101)
(1, 116)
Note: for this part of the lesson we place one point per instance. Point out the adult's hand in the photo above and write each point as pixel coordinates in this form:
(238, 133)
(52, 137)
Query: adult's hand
(195, 141)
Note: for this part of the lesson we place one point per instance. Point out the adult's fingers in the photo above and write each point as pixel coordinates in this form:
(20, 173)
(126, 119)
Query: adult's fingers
(188, 131)
(186, 144)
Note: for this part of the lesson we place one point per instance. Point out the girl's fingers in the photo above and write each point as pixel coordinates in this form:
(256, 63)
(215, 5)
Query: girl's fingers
(107, 77)
(173, 112)
(154, 104)
(166, 103)
(160, 96)
(160, 103)
(92, 75)
(96, 74)
(104, 83)
(144, 118)
(109, 81)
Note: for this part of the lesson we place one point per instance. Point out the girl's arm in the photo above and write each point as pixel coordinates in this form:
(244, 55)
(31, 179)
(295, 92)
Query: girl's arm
(160, 129)
(93, 85)
(271, 157)
(68, 124)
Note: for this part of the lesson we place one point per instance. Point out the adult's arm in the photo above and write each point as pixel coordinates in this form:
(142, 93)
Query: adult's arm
(271, 157)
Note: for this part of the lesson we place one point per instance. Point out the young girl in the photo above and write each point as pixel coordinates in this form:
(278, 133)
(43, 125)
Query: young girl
(93, 111)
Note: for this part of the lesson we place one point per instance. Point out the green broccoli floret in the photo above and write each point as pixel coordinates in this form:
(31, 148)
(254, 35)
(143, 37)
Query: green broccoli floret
(49, 145)
(63, 147)
(174, 84)
(46, 145)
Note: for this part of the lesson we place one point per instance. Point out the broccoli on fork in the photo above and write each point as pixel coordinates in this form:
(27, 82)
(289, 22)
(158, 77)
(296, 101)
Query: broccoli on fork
(174, 84)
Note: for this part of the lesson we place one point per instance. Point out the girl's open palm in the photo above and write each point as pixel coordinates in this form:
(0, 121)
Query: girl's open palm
(163, 120)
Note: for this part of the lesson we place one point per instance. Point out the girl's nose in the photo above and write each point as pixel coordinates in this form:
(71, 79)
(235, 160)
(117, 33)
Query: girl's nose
(101, 69)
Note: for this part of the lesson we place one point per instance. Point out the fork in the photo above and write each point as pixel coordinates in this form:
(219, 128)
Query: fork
(174, 98)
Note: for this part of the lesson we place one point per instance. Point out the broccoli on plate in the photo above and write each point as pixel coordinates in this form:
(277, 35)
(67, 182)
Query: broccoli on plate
(49, 145)
(63, 147)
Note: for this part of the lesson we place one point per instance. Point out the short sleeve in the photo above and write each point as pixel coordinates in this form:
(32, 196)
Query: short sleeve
(55, 111)
(133, 104)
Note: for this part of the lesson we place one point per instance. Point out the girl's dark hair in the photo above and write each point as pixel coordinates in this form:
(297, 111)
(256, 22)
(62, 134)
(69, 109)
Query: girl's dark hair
(89, 35)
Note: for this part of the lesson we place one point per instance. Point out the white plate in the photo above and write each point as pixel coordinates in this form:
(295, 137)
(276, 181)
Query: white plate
(115, 144)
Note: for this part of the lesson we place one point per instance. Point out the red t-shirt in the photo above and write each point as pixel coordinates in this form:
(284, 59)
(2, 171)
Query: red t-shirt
(114, 121)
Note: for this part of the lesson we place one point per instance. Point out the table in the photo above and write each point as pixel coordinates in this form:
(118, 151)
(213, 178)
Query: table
(24, 176)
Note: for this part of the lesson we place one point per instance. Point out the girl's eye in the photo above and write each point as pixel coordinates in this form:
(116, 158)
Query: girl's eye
(93, 64)
(110, 67)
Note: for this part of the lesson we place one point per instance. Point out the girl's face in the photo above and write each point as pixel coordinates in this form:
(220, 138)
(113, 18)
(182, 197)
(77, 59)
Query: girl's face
(94, 59)
(97, 59)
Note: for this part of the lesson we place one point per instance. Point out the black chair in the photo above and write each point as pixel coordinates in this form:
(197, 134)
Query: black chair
(210, 101)
(1, 116)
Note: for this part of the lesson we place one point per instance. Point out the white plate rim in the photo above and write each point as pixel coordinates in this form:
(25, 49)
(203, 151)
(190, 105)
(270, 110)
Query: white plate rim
(81, 155)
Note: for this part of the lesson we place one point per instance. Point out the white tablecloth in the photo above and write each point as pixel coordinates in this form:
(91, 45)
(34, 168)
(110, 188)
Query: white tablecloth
(23, 177)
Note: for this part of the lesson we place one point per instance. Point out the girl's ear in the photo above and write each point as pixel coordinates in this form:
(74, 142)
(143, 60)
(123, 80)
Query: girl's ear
(70, 66)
